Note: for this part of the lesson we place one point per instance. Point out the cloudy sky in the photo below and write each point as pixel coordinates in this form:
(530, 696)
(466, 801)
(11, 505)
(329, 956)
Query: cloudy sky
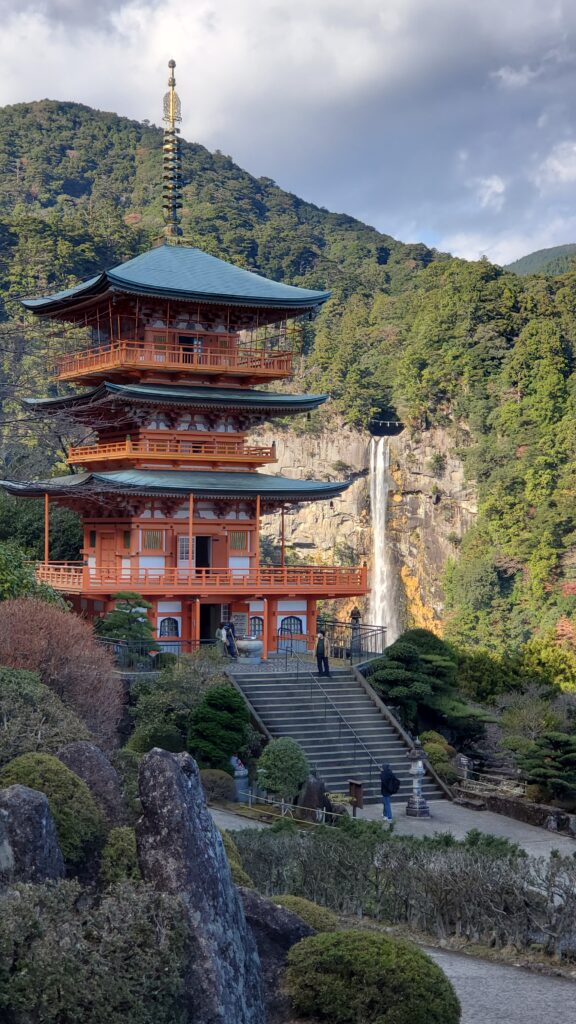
(451, 122)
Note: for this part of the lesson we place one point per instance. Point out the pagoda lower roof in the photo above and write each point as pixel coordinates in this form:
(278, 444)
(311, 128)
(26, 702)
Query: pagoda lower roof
(199, 397)
(200, 484)
(183, 273)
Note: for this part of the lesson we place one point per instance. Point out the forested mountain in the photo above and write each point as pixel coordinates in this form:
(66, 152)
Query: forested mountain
(483, 352)
(560, 259)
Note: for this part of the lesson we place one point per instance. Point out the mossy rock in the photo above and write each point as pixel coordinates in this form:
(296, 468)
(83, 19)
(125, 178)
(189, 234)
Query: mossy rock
(319, 918)
(119, 861)
(239, 875)
(79, 822)
(347, 977)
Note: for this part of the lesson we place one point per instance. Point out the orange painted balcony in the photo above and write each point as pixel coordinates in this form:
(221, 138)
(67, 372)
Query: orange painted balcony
(267, 581)
(175, 450)
(214, 359)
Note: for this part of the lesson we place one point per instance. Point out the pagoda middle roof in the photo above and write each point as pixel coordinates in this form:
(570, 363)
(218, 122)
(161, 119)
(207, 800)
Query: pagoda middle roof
(184, 273)
(199, 483)
(193, 397)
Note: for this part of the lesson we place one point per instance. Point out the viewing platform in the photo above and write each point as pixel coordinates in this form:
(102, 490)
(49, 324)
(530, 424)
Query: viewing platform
(179, 356)
(266, 581)
(173, 451)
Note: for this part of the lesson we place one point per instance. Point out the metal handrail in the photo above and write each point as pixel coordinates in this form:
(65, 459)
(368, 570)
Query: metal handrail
(327, 701)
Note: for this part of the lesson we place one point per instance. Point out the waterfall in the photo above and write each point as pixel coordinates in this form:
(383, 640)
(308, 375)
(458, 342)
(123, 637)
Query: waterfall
(384, 592)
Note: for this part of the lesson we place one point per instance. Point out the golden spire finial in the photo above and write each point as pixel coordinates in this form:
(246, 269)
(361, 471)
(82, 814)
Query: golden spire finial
(172, 166)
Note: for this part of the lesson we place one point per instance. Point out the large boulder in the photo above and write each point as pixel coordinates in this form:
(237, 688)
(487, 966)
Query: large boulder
(29, 850)
(181, 852)
(312, 800)
(91, 765)
(276, 930)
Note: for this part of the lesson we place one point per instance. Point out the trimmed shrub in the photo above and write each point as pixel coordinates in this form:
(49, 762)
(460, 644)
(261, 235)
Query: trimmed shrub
(32, 718)
(219, 728)
(426, 738)
(346, 977)
(79, 822)
(283, 768)
(319, 918)
(128, 620)
(61, 648)
(217, 785)
(239, 875)
(163, 735)
(119, 861)
(65, 956)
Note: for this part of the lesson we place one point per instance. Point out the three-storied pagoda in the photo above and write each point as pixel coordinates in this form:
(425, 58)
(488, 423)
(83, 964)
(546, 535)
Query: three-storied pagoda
(170, 489)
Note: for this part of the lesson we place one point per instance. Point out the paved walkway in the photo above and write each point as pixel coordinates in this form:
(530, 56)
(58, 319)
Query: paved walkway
(449, 817)
(497, 994)
(445, 817)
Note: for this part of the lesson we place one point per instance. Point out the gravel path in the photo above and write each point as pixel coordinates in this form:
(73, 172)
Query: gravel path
(496, 994)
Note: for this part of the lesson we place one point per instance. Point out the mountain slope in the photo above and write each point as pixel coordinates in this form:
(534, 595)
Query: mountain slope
(560, 259)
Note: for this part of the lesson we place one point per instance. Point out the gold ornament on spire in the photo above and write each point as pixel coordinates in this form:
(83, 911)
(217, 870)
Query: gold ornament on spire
(172, 160)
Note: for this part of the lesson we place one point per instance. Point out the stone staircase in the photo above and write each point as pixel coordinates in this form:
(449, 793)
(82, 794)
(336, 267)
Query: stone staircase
(344, 734)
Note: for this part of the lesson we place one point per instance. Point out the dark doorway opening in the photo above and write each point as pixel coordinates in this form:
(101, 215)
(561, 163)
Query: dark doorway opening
(203, 552)
(210, 617)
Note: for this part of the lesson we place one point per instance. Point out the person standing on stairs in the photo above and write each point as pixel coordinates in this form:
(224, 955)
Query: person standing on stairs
(389, 785)
(322, 652)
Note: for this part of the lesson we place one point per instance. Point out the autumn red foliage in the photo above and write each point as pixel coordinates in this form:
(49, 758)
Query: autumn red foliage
(61, 648)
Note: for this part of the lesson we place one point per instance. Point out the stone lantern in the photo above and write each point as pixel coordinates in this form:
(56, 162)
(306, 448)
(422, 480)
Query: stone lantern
(417, 806)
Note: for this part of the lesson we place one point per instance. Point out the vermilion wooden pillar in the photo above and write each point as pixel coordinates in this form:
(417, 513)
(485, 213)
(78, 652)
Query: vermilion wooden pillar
(190, 534)
(46, 529)
(265, 629)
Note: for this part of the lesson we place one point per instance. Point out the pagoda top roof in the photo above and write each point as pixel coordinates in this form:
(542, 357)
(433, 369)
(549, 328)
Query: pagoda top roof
(201, 484)
(198, 397)
(183, 273)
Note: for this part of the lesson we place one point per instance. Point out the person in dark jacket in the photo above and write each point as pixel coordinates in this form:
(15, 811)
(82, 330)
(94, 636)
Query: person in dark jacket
(322, 652)
(389, 784)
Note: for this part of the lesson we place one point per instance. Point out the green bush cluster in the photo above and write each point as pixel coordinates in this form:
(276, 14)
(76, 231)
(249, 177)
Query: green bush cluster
(319, 918)
(79, 822)
(33, 718)
(283, 768)
(119, 860)
(66, 956)
(439, 752)
(217, 785)
(219, 728)
(347, 977)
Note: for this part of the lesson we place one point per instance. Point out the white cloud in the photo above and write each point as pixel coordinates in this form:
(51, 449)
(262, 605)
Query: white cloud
(491, 192)
(515, 78)
(507, 245)
(559, 167)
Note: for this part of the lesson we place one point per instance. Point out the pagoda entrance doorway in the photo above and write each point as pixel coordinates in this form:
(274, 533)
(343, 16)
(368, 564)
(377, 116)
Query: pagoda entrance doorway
(210, 619)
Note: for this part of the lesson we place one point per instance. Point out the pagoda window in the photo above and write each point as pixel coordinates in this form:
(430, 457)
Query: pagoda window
(290, 625)
(152, 540)
(256, 625)
(238, 540)
(159, 422)
(169, 627)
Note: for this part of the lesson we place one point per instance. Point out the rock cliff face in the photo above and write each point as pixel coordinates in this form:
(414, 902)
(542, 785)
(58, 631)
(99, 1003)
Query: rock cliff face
(430, 508)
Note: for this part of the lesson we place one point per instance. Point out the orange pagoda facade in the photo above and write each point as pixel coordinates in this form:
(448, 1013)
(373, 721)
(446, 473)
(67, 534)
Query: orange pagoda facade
(183, 349)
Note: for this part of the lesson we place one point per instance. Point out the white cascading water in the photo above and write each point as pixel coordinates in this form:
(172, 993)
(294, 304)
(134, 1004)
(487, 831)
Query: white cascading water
(383, 595)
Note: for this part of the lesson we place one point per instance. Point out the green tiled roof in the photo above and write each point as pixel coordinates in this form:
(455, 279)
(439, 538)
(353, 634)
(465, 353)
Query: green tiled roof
(182, 272)
(199, 397)
(184, 482)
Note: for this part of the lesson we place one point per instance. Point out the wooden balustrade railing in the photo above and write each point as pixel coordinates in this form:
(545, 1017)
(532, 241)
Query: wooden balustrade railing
(206, 358)
(323, 581)
(185, 449)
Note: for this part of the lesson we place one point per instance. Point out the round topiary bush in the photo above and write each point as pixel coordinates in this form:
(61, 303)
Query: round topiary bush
(119, 861)
(163, 735)
(283, 768)
(319, 918)
(79, 822)
(346, 977)
(217, 785)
